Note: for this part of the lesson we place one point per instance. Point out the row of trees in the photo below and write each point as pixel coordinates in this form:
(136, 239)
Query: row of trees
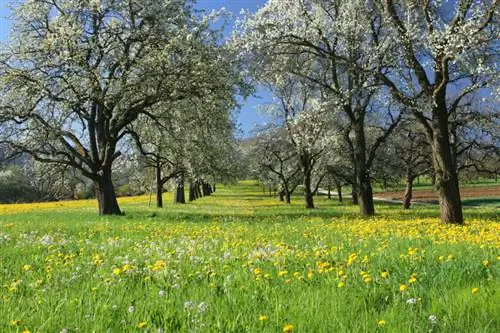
(345, 74)
(85, 82)
(363, 90)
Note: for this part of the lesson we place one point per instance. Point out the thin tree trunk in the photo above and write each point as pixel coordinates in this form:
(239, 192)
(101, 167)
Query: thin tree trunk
(408, 191)
(105, 193)
(339, 191)
(282, 195)
(329, 192)
(159, 187)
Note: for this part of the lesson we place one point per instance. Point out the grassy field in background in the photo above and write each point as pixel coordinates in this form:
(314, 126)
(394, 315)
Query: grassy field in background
(240, 261)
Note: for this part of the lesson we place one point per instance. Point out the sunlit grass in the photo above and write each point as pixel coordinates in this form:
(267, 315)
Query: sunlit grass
(241, 261)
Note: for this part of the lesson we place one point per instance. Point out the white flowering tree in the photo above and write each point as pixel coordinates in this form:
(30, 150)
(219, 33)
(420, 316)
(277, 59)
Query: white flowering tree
(276, 161)
(77, 73)
(445, 52)
(335, 47)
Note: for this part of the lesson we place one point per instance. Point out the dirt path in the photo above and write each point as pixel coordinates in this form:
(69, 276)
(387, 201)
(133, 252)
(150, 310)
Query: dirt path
(426, 195)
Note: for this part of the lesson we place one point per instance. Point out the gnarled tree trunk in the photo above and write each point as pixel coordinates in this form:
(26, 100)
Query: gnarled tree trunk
(105, 193)
(445, 170)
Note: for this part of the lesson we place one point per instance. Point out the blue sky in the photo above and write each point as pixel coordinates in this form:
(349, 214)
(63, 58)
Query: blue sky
(248, 115)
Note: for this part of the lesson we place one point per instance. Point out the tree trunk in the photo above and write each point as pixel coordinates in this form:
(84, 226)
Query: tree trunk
(307, 190)
(287, 195)
(445, 172)
(179, 191)
(362, 177)
(213, 188)
(105, 193)
(159, 188)
(354, 194)
(365, 196)
(197, 191)
(282, 195)
(192, 194)
(408, 191)
(339, 191)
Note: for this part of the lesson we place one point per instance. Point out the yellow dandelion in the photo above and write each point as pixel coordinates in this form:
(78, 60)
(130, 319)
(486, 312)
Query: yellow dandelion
(475, 291)
(117, 271)
(262, 317)
(288, 328)
(142, 324)
(381, 323)
(403, 288)
(26, 331)
(340, 284)
(412, 279)
(486, 263)
(127, 267)
(384, 274)
(15, 322)
(27, 267)
(281, 273)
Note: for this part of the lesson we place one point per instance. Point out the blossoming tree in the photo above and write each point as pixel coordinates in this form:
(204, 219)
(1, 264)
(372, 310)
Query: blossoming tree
(77, 73)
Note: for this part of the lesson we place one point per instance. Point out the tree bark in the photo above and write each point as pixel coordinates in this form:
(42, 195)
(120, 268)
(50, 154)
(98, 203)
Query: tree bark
(192, 194)
(105, 193)
(446, 175)
(408, 191)
(354, 195)
(179, 191)
(308, 195)
(159, 187)
(329, 192)
(197, 190)
(287, 194)
(282, 195)
(362, 177)
(339, 191)
(365, 196)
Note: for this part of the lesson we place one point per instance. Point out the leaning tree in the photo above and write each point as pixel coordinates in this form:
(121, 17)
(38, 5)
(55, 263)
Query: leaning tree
(76, 74)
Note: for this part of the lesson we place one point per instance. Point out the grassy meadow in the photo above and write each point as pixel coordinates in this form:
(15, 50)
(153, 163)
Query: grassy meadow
(240, 261)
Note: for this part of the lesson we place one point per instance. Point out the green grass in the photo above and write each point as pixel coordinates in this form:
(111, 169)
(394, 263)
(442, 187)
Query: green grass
(218, 264)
